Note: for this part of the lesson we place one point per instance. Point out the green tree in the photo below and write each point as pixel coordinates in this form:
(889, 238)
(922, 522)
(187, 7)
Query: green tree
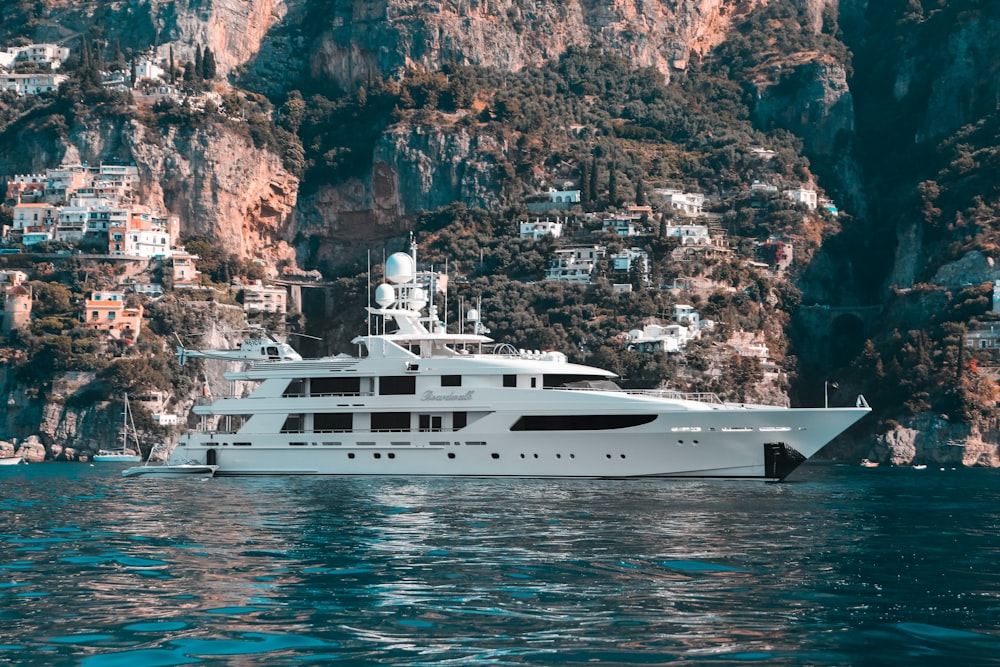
(199, 66)
(593, 180)
(209, 68)
(613, 183)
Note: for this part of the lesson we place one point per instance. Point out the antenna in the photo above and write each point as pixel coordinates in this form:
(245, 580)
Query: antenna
(369, 318)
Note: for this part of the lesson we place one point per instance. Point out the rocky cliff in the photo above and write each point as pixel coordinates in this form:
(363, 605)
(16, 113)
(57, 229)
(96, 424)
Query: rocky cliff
(352, 41)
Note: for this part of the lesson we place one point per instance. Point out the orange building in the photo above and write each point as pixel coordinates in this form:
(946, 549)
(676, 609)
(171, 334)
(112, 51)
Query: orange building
(106, 311)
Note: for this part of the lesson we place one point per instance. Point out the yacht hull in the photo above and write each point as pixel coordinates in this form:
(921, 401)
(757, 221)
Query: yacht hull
(760, 444)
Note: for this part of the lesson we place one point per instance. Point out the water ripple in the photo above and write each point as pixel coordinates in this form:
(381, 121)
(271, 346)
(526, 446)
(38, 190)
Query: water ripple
(838, 568)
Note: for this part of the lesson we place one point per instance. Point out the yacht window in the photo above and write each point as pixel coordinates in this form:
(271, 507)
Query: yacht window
(328, 422)
(390, 421)
(451, 380)
(296, 388)
(510, 380)
(293, 424)
(565, 380)
(579, 422)
(459, 420)
(429, 423)
(395, 385)
(342, 386)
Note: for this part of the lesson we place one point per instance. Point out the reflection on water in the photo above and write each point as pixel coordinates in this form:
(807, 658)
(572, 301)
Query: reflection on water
(841, 566)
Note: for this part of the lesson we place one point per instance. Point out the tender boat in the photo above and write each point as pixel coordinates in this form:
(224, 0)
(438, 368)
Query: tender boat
(11, 460)
(420, 400)
(867, 463)
(176, 469)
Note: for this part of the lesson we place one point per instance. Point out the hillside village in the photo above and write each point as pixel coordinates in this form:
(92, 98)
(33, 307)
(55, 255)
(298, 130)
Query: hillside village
(94, 213)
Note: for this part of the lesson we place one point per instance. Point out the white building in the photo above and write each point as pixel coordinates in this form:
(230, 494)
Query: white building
(259, 298)
(152, 290)
(688, 204)
(657, 337)
(689, 234)
(33, 217)
(564, 196)
(553, 199)
(147, 69)
(30, 83)
(686, 314)
(147, 243)
(538, 229)
(574, 264)
(90, 216)
(41, 54)
(805, 196)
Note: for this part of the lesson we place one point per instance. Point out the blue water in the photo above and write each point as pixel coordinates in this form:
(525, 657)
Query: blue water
(838, 566)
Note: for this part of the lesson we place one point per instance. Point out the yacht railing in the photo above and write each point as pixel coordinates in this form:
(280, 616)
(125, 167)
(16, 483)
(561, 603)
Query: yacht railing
(699, 396)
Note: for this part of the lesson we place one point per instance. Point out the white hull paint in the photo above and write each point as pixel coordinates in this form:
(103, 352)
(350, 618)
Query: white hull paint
(117, 458)
(179, 470)
(422, 401)
(728, 443)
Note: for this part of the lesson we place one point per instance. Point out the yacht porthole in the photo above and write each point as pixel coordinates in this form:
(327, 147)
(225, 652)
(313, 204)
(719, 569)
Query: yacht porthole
(392, 455)
(522, 456)
(535, 455)
(572, 456)
(451, 455)
(608, 455)
(377, 455)
(558, 456)
(495, 455)
(622, 455)
(351, 455)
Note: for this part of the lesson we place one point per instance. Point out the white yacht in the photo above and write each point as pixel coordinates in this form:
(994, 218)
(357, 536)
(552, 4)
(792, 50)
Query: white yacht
(418, 400)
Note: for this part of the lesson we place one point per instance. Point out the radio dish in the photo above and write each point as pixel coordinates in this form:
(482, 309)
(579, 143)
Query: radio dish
(399, 268)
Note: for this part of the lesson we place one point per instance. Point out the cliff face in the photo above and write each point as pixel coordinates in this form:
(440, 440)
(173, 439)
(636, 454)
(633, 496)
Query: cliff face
(220, 187)
(920, 76)
(416, 168)
(212, 177)
(359, 40)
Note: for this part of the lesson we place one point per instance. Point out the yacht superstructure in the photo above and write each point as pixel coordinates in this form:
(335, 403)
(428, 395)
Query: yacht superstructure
(419, 400)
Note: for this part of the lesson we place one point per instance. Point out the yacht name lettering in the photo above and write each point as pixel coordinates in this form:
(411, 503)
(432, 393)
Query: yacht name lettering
(431, 396)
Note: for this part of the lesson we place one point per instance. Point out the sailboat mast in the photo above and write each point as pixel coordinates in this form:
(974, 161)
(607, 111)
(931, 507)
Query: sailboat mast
(125, 425)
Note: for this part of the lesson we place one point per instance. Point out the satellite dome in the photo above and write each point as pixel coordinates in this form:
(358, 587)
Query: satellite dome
(385, 295)
(472, 315)
(417, 298)
(399, 268)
